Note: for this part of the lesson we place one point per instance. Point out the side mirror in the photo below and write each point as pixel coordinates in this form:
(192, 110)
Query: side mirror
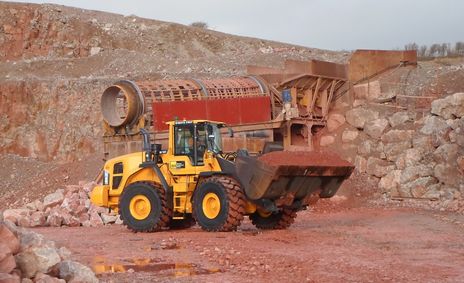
(231, 132)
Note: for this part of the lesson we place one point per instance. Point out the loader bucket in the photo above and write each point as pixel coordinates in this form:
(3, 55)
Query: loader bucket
(277, 174)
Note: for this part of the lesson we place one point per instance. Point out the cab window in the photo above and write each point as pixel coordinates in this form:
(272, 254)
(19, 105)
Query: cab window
(183, 139)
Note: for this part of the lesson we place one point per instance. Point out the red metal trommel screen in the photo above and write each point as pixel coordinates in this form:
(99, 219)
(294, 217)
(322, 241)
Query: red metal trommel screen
(232, 111)
(236, 100)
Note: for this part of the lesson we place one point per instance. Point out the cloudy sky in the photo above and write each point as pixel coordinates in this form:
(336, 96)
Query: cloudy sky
(328, 24)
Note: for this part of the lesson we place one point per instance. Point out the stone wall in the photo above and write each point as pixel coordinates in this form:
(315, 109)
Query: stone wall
(411, 155)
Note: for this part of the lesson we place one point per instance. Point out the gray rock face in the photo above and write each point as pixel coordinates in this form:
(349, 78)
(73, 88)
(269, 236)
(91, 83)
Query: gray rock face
(75, 272)
(357, 117)
(449, 107)
(376, 128)
(434, 125)
(37, 259)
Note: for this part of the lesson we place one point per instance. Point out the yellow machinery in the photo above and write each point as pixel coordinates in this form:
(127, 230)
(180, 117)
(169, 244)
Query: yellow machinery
(190, 181)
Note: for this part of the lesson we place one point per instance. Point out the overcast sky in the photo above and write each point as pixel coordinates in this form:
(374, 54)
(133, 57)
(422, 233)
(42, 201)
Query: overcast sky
(327, 24)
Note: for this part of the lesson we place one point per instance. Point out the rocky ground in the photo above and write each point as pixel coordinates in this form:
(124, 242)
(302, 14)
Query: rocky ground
(330, 244)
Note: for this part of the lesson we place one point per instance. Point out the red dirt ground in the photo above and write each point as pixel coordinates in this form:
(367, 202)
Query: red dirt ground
(332, 243)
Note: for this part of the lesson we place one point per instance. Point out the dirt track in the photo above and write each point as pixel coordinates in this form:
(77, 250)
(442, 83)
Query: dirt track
(351, 245)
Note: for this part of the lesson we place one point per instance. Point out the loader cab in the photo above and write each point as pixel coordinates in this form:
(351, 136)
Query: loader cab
(195, 138)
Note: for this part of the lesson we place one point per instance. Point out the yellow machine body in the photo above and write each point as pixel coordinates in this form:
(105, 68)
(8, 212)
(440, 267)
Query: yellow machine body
(183, 179)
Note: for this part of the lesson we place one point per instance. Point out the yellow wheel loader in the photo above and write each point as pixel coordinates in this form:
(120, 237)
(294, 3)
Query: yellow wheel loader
(191, 182)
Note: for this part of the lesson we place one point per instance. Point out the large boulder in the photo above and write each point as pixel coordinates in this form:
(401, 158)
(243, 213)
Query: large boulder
(9, 278)
(7, 260)
(410, 157)
(55, 218)
(358, 117)
(14, 215)
(411, 173)
(37, 219)
(460, 162)
(418, 187)
(447, 152)
(360, 164)
(393, 150)
(397, 136)
(349, 135)
(72, 271)
(378, 167)
(389, 183)
(448, 174)
(53, 199)
(449, 107)
(424, 144)
(37, 259)
(44, 278)
(399, 118)
(334, 121)
(9, 239)
(434, 125)
(370, 148)
(375, 128)
(457, 136)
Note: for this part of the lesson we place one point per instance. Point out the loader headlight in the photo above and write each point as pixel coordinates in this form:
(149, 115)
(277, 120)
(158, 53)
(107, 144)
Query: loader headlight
(106, 177)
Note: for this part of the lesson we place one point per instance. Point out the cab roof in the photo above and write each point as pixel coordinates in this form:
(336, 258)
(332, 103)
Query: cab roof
(183, 122)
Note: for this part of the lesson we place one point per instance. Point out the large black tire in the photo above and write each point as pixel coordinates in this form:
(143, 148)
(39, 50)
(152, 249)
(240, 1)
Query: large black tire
(157, 215)
(280, 220)
(185, 223)
(231, 199)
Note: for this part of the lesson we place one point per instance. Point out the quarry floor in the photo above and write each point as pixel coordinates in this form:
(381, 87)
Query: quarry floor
(330, 243)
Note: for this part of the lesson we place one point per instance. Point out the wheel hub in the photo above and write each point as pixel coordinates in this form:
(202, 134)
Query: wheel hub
(140, 207)
(211, 205)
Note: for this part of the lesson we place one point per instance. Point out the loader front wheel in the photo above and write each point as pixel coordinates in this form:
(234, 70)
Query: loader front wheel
(143, 207)
(219, 204)
(280, 220)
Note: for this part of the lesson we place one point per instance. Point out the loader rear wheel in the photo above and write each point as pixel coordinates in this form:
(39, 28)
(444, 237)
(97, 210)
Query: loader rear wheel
(143, 207)
(280, 220)
(219, 204)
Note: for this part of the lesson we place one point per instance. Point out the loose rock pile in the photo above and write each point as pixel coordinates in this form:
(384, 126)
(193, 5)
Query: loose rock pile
(26, 256)
(65, 207)
(413, 156)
